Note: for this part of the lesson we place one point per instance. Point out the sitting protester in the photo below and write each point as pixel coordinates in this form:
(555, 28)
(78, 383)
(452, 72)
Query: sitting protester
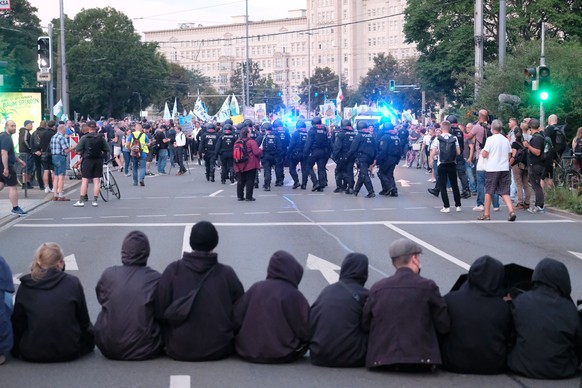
(273, 315)
(195, 300)
(6, 291)
(337, 339)
(549, 332)
(481, 324)
(50, 318)
(126, 328)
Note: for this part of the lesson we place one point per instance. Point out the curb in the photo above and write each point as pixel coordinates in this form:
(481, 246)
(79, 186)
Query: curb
(564, 213)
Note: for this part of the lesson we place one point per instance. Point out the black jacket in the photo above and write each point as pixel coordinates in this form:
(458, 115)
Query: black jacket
(125, 328)
(342, 143)
(481, 323)
(208, 332)
(337, 339)
(549, 336)
(50, 319)
(297, 145)
(273, 315)
(317, 141)
(363, 147)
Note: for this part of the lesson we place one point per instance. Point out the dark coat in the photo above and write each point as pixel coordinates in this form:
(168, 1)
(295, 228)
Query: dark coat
(337, 339)
(50, 319)
(208, 332)
(481, 322)
(254, 157)
(403, 314)
(126, 328)
(549, 336)
(6, 287)
(273, 315)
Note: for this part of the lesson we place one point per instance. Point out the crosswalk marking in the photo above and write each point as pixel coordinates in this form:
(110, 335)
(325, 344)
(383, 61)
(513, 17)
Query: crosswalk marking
(180, 381)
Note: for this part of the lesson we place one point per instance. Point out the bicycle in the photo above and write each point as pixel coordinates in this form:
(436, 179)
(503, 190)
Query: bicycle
(565, 175)
(108, 183)
(412, 155)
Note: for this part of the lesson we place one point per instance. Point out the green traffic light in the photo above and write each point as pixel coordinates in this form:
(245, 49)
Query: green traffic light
(544, 96)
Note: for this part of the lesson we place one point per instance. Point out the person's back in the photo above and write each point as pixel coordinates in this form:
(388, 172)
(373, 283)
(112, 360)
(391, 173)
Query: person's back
(126, 328)
(481, 323)
(273, 315)
(207, 332)
(337, 339)
(548, 328)
(6, 291)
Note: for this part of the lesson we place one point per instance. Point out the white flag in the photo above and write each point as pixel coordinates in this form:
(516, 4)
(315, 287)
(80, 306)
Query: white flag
(234, 107)
(58, 109)
(175, 108)
(340, 98)
(200, 112)
(167, 115)
(224, 112)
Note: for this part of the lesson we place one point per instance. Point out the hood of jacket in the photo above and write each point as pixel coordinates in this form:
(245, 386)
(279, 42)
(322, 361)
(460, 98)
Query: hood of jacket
(199, 261)
(355, 268)
(135, 249)
(486, 276)
(284, 266)
(50, 280)
(553, 274)
(6, 282)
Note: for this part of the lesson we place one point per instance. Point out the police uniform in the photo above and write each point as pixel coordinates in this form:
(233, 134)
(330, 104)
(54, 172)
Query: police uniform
(317, 151)
(364, 150)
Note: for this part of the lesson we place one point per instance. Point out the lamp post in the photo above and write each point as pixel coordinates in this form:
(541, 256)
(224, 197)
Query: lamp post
(248, 74)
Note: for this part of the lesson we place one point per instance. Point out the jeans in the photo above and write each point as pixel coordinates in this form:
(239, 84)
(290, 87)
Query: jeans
(171, 154)
(162, 159)
(536, 174)
(126, 161)
(481, 191)
(139, 165)
(471, 175)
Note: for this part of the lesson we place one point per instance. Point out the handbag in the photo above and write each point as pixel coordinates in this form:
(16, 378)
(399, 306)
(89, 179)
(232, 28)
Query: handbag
(177, 312)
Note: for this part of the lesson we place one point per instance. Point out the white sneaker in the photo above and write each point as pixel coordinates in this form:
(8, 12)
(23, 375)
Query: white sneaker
(47, 190)
(495, 209)
(458, 208)
(479, 208)
(446, 210)
(79, 204)
(94, 204)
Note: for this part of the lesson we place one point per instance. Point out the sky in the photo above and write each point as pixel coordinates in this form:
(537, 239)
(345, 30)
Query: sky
(151, 15)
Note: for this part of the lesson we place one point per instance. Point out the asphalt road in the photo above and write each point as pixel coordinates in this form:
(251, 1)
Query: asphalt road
(313, 227)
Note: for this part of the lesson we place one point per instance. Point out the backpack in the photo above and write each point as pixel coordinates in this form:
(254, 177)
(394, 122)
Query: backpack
(135, 148)
(447, 149)
(560, 145)
(455, 131)
(578, 147)
(269, 146)
(520, 158)
(93, 146)
(548, 151)
(240, 153)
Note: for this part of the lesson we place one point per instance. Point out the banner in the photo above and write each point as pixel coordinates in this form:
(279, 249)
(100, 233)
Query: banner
(249, 113)
(348, 113)
(186, 124)
(234, 107)
(224, 112)
(327, 111)
(260, 112)
(167, 115)
(20, 106)
(175, 108)
(4, 5)
(58, 109)
(200, 112)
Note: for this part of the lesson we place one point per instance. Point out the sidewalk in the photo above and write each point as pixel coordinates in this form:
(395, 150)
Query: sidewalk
(35, 198)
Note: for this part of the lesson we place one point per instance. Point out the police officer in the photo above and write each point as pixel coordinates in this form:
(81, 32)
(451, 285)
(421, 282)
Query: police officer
(364, 150)
(224, 149)
(344, 166)
(461, 172)
(317, 150)
(285, 139)
(271, 146)
(387, 159)
(207, 150)
(296, 156)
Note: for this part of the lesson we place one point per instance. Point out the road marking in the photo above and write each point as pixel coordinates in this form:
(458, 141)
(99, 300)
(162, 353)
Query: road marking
(287, 211)
(216, 193)
(404, 182)
(384, 208)
(105, 217)
(186, 239)
(186, 215)
(267, 195)
(71, 263)
(299, 223)
(40, 219)
(577, 254)
(16, 279)
(77, 218)
(315, 194)
(186, 197)
(326, 268)
(180, 381)
(430, 247)
(132, 198)
(354, 210)
(157, 197)
(220, 214)
(323, 211)
(150, 215)
(416, 208)
(257, 212)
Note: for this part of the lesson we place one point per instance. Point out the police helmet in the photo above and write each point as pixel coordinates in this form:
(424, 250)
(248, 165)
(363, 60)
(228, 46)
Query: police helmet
(300, 124)
(316, 121)
(248, 123)
(452, 119)
(277, 123)
(363, 124)
(210, 126)
(346, 123)
(228, 121)
(266, 126)
(227, 127)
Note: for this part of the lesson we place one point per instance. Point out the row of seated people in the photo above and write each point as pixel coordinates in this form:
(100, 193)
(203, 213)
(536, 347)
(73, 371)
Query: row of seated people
(197, 310)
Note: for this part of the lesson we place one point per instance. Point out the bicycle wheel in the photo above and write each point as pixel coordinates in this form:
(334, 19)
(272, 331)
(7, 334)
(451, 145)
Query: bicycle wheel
(103, 192)
(113, 187)
(573, 179)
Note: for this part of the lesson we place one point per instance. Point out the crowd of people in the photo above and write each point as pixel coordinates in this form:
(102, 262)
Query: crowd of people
(198, 310)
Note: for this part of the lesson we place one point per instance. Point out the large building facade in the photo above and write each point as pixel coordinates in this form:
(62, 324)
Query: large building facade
(344, 35)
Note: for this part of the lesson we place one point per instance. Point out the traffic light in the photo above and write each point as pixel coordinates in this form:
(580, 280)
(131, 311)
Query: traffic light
(279, 94)
(392, 85)
(531, 74)
(316, 94)
(44, 52)
(544, 84)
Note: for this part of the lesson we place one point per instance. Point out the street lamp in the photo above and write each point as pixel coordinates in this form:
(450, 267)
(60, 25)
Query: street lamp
(308, 33)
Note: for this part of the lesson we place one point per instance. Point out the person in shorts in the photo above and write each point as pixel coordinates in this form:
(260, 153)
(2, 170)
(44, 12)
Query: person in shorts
(59, 148)
(91, 168)
(8, 174)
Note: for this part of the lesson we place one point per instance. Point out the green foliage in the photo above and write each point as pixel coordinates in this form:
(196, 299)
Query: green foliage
(564, 199)
(261, 90)
(324, 82)
(19, 30)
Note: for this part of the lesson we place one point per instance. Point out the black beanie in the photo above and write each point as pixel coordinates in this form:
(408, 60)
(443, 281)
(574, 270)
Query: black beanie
(203, 237)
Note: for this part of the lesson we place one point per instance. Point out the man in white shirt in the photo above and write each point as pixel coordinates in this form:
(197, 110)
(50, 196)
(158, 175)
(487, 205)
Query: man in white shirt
(179, 145)
(497, 151)
(446, 148)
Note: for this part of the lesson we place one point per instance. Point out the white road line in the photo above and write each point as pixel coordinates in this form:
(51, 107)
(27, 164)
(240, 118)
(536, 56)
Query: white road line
(150, 215)
(315, 194)
(186, 197)
(132, 198)
(104, 217)
(300, 223)
(416, 208)
(216, 193)
(77, 218)
(157, 197)
(430, 247)
(39, 219)
(289, 194)
(71, 263)
(186, 239)
(267, 195)
(220, 214)
(180, 381)
(354, 210)
(287, 211)
(384, 208)
(577, 254)
(186, 215)
(323, 211)
(257, 213)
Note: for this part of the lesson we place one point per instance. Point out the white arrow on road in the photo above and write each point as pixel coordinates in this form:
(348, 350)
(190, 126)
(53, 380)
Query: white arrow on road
(577, 254)
(71, 263)
(326, 268)
(16, 279)
(404, 182)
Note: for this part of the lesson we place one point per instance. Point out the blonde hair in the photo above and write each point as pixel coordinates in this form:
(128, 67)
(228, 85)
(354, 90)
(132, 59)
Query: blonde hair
(47, 256)
(578, 133)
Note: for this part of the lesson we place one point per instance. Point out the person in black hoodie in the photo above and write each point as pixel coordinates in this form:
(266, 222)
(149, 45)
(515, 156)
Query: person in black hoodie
(336, 337)
(273, 315)
(50, 318)
(549, 333)
(207, 332)
(481, 325)
(126, 328)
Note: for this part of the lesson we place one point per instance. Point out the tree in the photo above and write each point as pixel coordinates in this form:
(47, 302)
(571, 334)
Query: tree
(108, 63)
(324, 86)
(19, 31)
(261, 89)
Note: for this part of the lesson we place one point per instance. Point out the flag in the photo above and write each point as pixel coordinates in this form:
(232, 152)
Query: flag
(200, 112)
(167, 115)
(175, 108)
(234, 107)
(339, 98)
(355, 111)
(58, 109)
(224, 112)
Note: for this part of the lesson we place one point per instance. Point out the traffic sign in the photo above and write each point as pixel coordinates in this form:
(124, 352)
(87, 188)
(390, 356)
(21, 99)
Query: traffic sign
(43, 77)
(295, 98)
